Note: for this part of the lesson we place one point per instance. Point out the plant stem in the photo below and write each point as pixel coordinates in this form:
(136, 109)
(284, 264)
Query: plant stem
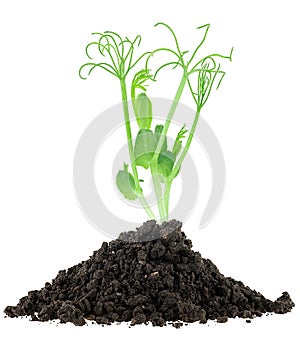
(170, 179)
(168, 185)
(146, 206)
(131, 153)
(128, 133)
(158, 192)
(187, 146)
(170, 116)
(163, 201)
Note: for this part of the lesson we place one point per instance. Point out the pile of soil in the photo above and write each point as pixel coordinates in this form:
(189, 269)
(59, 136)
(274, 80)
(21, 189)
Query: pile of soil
(139, 280)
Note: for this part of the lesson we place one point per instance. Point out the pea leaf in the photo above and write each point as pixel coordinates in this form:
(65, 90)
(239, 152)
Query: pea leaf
(142, 107)
(165, 163)
(144, 148)
(158, 130)
(126, 185)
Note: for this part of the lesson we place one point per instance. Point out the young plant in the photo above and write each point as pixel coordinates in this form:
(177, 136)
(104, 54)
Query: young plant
(150, 149)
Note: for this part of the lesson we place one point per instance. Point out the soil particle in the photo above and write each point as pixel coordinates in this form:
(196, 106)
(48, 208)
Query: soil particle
(223, 319)
(139, 279)
(177, 325)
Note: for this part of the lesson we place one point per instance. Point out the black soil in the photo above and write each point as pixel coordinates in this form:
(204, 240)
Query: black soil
(157, 281)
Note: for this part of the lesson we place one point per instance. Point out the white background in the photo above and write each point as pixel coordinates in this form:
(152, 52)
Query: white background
(44, 108)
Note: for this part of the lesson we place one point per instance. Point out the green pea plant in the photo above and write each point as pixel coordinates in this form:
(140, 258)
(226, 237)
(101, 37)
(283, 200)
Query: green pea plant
(150, 149)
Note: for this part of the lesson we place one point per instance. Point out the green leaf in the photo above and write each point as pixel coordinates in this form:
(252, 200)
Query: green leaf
(144, 148)
(158, 130)
(125, 183)
(165, 163)
(142, 107)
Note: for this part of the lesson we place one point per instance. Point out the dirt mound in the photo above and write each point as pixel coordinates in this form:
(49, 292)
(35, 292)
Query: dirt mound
(136, 279)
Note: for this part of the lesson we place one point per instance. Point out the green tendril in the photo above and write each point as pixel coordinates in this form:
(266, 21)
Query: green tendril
(174, 36)
(207, 26)
(119, 51)
(165, 65)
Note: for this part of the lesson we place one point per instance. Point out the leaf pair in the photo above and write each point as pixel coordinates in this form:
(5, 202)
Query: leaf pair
(142, 107)
(166, 158)
(165, 163)
(125, 183)
(145, 146)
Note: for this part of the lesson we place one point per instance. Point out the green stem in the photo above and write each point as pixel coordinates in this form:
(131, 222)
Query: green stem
(132, 92)
(187, 146)
(168, 185)
(176, 168)
(170, 116)
(131, 153)
(128, 133)
(146, 206)
(163, 201)
(158, 193)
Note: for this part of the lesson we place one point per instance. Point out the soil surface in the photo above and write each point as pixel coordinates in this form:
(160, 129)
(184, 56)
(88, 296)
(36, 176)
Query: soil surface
(137, 279)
